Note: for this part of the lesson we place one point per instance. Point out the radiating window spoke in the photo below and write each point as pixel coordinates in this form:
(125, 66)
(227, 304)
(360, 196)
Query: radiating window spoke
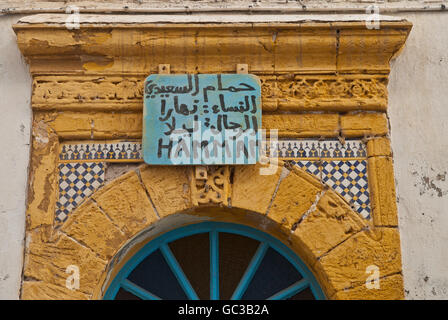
(214, 261)
(290, 291)
(250, 271)
(214, 265)
(138, 291)
(177, 270)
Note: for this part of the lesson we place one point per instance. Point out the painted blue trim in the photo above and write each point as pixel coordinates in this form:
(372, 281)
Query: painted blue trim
(214, 265)
(250, 271)
(206, 227)
(138, 291)
(291, 290)
(178, 272)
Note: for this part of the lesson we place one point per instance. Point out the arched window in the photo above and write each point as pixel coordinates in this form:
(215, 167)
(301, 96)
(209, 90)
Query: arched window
(213, 260)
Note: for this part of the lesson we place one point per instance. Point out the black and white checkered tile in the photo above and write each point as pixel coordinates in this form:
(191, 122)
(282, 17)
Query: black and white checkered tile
(346, 177)
(77, 181)
(349, 179)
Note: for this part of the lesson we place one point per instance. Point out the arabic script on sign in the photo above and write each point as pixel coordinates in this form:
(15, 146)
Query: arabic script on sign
(201, 119)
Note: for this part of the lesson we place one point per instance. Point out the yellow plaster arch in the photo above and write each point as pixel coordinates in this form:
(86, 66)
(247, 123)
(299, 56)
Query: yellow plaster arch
(295, 207)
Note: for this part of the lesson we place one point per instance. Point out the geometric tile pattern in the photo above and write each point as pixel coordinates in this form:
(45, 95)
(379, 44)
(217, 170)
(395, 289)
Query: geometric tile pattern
(284, 149)
(121, 151)
(349, 179)
(346, 177)
(77, 181)
(311, 166)
(342, 166)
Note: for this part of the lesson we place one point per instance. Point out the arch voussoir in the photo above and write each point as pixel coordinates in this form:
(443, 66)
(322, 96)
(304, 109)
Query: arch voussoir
(90, 226)
(328, 223)
(169, 188)
(45, 272)
(349, 265)
(126, 194)
(315, 221)
(296, 194)
(254, 191)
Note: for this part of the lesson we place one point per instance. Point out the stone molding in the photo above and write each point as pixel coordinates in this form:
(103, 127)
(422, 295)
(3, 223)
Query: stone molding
(268, 48)
(241, 6)
(279, 93)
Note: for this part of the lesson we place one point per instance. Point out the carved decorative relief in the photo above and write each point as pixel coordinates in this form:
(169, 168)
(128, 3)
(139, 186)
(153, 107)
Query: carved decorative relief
(278, 92)
(324, 92)
(52, 91)
(213, 188)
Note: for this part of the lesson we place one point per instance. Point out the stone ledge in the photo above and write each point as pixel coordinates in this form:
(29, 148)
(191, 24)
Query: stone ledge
(108, 19)
(102, 47)
(237, 7)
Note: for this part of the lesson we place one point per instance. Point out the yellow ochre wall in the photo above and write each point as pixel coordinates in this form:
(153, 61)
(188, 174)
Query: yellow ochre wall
(87, 85)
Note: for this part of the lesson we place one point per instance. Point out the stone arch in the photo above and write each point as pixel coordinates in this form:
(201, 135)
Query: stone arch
(295, 207)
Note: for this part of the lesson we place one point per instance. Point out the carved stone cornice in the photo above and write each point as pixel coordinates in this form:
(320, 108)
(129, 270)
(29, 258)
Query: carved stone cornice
(303, 65)
(303, 47)
(87, 82)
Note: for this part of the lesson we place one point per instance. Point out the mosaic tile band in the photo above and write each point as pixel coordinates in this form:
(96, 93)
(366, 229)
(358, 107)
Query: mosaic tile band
(284, 149)
(295, 149)
(108, 152)
(342, 167)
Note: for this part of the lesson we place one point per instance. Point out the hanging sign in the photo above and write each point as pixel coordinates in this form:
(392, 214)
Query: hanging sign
(201, 119)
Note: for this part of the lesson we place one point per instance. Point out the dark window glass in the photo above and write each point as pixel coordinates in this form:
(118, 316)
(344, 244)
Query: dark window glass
(235, 253)
(274, 274)
(125, 295)
(154, 275)
(306, 294)
(193, 255)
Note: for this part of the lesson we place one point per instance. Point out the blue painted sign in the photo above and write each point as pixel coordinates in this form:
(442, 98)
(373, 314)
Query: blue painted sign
(201, 119)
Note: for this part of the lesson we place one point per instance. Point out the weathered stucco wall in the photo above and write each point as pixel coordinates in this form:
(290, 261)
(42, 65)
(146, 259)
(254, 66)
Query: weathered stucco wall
(419, 114)
(15, 120)
(417, 89)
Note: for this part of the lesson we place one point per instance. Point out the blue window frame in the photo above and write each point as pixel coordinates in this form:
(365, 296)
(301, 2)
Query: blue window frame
(187, 263)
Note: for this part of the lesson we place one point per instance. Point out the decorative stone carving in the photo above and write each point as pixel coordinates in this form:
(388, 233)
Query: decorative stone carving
(214, 188)
(278, 92)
